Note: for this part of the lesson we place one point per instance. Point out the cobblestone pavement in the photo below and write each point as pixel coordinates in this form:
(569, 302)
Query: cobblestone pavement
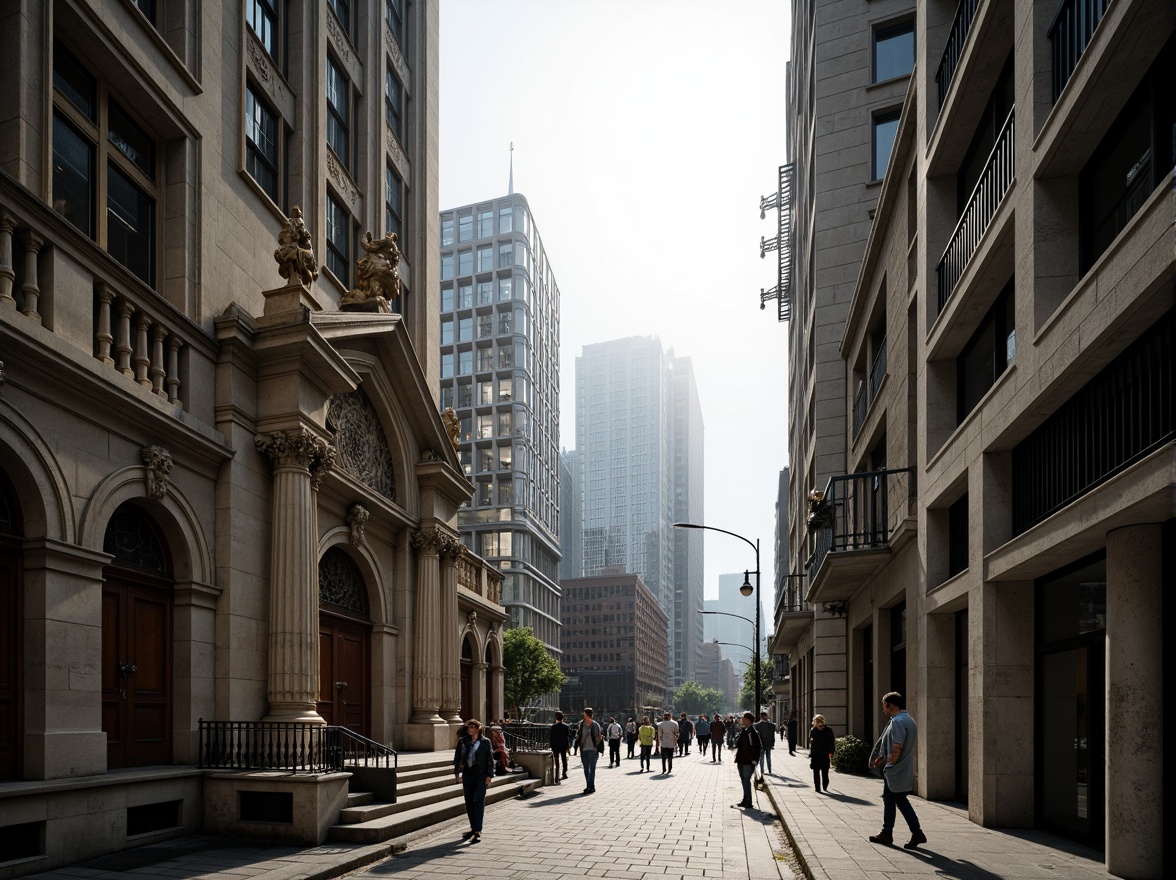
(637, 826)
(831, 834)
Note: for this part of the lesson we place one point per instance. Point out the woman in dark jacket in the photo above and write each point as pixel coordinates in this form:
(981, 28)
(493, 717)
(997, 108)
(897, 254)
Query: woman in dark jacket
(473, 765)
(821, 743)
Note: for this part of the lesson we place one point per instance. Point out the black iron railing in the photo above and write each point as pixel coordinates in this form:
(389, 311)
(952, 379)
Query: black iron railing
(1117, 418)
(866, 509)
(790, 598)
(293, 747)
(986, 196)
(868, 391)
(527, 737)
(957, 37)
(1070, 34)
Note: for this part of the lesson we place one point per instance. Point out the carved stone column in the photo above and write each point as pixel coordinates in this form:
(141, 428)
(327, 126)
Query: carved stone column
(426, 666)
(451, 550)
(300, 460)
(479, 699)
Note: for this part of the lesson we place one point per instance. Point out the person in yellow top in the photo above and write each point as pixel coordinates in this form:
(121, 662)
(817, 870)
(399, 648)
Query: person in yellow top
(646, 734)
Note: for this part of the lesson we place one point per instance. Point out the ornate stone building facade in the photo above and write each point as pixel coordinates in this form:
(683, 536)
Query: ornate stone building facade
(219, 498)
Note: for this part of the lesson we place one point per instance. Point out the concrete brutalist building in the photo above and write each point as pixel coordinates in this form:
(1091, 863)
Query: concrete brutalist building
(996, 541)
(225, 500)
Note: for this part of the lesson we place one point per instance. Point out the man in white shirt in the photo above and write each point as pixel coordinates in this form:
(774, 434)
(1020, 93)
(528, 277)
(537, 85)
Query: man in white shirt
(614, 733)
(667, 740)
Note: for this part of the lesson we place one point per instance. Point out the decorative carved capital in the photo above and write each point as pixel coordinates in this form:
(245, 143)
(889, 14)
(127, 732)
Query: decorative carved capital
(472, 618)
(432, 541)
(298, 448)
(158, 462)
(450, 548)
(357, 518)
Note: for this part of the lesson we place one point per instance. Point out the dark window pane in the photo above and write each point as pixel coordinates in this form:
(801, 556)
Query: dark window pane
(338, 233)
(147, 7)
(987, 354)
(393, 102)
(262, 18)
(73, 176)
(393, 202)
(885, 128)
(342, 12)
(337, 112)
(130, 140)
(394, 15)
(130, 221)
(261, 153)
(894, 51)
(73, 81)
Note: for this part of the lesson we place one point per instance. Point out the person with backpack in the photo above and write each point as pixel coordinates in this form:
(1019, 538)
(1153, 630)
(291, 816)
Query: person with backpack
(590, 740)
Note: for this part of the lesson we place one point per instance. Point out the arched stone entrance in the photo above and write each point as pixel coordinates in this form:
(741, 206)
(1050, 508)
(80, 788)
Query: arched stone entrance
(344, 643)
(11, 697)
(137, 599)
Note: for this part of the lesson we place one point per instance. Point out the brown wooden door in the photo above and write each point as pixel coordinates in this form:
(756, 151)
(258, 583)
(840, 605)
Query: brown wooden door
(136, 672)
(10, 665)
(343, 679)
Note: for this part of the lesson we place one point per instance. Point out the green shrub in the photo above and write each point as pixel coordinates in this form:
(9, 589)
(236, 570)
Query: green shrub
(850, 755)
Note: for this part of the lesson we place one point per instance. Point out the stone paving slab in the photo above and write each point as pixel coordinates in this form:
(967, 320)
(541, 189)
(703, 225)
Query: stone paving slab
(830, 833)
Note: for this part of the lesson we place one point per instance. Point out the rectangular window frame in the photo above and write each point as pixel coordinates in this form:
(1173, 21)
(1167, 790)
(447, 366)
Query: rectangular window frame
(883, 33)
(261, 17)
(394, 103)
(339, 239)
(338, 93)
(878, 119)
(394, 203)
(261, 162)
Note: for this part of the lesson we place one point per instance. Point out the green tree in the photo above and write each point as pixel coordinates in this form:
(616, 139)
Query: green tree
(694, 699)
(747, 692)
(528, 670)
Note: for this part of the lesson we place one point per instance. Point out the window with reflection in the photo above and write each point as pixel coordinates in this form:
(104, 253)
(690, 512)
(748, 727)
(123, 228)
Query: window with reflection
(894, 50)
(446, 231)
(261, 142)
(103, 155)
(338, 240)
(393, 203)
(505, 218)
(465, 227)
(987, 354)
(465, 262)
(885, 127)
(338, 113)
(393, 103)
(485, 223)
(262, 18)
(394, 17)
(342, 10)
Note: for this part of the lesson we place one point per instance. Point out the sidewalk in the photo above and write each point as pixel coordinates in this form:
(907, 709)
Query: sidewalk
(830, 834)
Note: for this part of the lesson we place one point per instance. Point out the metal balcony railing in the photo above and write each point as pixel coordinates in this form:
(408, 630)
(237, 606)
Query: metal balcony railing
(1070, 34)
(956, 38)
(986, 197)
(294, 747)
(866, 509)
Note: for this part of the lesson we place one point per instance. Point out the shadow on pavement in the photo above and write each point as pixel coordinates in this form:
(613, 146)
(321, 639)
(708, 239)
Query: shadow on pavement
(412, 859)
(849, 799)
(945, 867)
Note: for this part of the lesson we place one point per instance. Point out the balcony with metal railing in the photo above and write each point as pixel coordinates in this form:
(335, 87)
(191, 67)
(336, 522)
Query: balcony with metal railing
(983, 202)
(793, 614)
(957, 37)
(867, 517)
(1070, 34)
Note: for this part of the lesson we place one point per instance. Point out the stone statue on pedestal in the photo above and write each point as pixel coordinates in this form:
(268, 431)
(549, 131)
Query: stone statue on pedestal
(377, 276)
(295, 253)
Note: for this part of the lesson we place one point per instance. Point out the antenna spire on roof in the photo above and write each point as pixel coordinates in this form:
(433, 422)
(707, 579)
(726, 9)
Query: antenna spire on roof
(510, 185)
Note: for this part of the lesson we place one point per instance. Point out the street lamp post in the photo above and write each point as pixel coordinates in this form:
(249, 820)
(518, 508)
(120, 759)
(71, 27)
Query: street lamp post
(746, 590)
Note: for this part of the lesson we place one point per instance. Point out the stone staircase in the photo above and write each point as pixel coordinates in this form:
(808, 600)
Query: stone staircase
(425, 795)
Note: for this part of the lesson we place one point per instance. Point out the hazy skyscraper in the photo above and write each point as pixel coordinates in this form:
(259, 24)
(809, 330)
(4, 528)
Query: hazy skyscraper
(500, 373)
(639, 455)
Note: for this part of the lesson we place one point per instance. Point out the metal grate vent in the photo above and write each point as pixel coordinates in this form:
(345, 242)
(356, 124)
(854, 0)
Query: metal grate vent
(24, 841)
(271, 807)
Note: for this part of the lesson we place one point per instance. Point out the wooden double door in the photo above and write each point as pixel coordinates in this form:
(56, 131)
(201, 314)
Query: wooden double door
(136, 670)
(344, 687)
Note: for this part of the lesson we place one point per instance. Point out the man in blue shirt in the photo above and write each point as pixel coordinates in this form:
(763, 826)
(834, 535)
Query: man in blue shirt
(895, 754)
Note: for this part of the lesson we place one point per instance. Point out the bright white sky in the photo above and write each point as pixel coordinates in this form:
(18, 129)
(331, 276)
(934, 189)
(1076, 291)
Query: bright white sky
(645, 132)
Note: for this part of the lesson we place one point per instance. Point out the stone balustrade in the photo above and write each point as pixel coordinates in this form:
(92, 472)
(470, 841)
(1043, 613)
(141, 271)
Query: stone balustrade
(132, 331)
(479, 576)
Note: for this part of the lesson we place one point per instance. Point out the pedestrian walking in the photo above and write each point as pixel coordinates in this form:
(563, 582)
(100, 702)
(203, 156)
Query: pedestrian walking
(747, 753)
(614, 734)
(718, 731)
(590, 741)
(792, 732)
(895, 754)
(685, 735)
(732, 731)
(767, 734)
(646, 734)
(576, 737)
(630, 736)
(560, 738)
(473, 767)
(667, 740)
(702, 731)
(821, 742)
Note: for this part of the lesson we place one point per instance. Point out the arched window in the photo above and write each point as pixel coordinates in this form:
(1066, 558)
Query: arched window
(133, 539)
(341, 583)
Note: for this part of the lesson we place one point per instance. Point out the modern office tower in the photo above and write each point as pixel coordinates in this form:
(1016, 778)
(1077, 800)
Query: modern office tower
(639, 451)
(615, 644)
(731, 619)
(999, 541)
(499, 318)
(788, 596)
(228, 500)
(571, 534)
(688, 447)
(847, 81)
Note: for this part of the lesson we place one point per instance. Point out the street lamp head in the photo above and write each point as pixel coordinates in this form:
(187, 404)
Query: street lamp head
(684, 525)
(746, 587)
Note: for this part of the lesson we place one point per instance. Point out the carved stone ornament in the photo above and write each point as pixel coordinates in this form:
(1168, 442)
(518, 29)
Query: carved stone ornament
(1, 374)
(341, 582)
(452, 427)
(363, 447)
(298, 448)
(377, 276)
(295, 253)
(451, 548)
(430, 541)
(158, 462)
(472, 618)
(357, 518)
